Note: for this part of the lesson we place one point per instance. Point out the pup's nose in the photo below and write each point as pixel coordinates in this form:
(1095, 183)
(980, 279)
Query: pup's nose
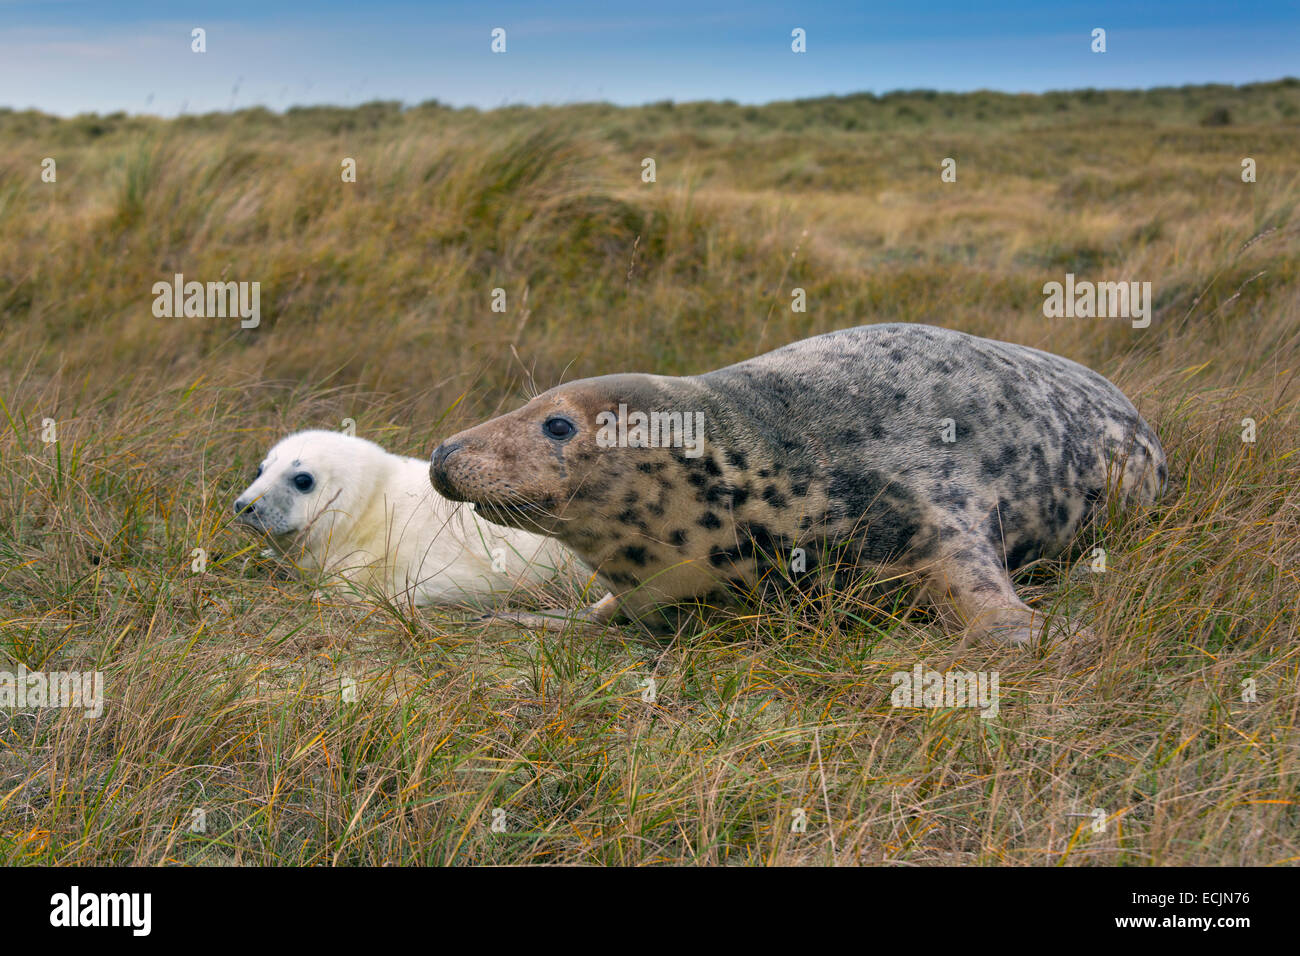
(242, 506)
(437, 466)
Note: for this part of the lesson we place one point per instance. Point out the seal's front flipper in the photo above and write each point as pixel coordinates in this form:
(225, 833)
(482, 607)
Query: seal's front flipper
(973, 581)
(600, 614)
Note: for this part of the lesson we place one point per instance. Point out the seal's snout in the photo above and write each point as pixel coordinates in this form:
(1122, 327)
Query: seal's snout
(438, 470)
(248, 511)
(445, 451)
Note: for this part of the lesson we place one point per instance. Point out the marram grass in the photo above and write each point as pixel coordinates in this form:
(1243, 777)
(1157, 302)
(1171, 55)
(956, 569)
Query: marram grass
(223, 689)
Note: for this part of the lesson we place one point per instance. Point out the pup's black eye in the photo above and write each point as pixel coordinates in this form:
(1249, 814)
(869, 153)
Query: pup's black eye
(303, 481)
(259, 473)
(559, 428)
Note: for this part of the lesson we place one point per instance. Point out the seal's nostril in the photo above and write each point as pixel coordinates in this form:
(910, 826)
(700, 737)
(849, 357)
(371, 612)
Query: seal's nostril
(242, 506)
(443, 452)
(437, 469)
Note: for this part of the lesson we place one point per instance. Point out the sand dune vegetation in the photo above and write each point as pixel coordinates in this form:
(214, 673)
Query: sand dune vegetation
(248, 719)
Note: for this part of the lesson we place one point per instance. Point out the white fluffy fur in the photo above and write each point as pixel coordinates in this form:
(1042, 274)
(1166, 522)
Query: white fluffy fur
(372, 518)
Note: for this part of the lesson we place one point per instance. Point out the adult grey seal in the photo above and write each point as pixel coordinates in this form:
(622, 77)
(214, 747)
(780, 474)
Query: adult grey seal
(905, 447)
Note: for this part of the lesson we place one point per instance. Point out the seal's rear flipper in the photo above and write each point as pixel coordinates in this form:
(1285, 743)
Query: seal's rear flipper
(600, 614)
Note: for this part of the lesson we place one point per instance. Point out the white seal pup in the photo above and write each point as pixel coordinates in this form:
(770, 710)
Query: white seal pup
(904, 447)
(344, 507)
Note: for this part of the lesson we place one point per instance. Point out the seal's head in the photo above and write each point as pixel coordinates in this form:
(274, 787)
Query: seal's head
(309, 486)
(558, 464)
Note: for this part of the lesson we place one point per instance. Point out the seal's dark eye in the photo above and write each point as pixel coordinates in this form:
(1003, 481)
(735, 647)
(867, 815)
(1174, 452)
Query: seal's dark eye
(559, 428)
(259, 473)
(303, 481)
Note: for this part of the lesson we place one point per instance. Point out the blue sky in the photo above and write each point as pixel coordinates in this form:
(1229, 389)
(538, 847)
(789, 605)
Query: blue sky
(71, 57)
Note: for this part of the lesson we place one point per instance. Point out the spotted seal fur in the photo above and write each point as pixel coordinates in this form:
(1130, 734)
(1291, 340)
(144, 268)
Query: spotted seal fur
(905, 447)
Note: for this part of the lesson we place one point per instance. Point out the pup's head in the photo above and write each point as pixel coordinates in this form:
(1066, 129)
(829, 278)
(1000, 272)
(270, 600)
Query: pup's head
(310, 487)
(553, 465)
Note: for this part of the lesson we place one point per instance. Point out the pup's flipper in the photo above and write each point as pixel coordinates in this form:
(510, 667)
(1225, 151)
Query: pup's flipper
(600, 614)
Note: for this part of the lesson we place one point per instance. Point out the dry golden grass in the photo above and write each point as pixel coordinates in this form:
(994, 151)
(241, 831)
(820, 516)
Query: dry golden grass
(222, 688)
